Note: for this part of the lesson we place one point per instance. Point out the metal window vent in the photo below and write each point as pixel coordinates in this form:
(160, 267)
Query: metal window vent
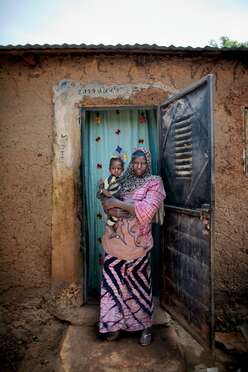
(183, 148)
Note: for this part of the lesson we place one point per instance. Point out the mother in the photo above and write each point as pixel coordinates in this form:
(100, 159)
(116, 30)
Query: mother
(126, 292)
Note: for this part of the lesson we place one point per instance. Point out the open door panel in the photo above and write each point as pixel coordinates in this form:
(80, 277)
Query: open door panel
(187, 168)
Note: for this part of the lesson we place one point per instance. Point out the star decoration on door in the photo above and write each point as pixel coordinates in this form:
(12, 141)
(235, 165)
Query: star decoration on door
(98, 118)
(120, 153)
(142, 118)
(118, 149)
(125, 156)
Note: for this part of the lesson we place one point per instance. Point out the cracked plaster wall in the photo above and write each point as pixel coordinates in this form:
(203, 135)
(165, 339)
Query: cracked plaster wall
(26, 117)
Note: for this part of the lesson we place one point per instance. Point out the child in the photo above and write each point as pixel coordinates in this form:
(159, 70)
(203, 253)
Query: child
(110, 187)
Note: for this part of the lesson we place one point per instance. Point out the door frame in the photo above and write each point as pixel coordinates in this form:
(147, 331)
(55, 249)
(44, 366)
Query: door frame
(69, 96)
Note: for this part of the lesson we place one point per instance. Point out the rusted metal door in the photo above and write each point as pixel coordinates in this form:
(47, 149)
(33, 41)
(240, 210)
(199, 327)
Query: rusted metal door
(186, 166)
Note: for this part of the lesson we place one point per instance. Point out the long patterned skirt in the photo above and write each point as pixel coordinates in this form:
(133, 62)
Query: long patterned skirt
(126, 295)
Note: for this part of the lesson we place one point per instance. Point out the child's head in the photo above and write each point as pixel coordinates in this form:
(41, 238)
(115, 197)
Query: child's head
(116, 166)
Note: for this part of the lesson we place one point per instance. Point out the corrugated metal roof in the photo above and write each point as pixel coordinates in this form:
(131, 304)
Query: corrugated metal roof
(120, 48)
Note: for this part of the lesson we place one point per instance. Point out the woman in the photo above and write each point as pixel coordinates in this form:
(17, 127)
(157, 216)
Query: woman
(126, 292)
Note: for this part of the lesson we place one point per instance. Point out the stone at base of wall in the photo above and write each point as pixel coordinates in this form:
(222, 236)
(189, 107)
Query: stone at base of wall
(232, 342)
(231, 309)
(67, 295)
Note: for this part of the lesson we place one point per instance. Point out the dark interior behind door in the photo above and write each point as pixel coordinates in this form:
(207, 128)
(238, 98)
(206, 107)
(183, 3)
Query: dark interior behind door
(186, 166)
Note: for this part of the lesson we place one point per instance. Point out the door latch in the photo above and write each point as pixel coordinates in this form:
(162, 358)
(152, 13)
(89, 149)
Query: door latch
(204, 216)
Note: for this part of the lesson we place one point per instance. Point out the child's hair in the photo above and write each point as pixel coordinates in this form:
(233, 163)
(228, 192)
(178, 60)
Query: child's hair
(116, 159)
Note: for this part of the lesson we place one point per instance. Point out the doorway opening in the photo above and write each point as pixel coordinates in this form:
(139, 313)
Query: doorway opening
(107, 132)
(186, 163)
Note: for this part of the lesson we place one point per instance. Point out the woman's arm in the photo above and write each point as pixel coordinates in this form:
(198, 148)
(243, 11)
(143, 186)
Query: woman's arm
(146, 208)
(117, 212)
(115, 203)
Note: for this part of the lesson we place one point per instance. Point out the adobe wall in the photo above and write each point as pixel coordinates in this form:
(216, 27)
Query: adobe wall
(26, 117)
(231, 253)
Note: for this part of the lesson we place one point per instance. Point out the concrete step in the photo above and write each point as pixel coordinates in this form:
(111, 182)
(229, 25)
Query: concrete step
(83, 349)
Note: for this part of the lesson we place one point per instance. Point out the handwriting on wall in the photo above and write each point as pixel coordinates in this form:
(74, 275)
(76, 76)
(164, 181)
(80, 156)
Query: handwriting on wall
(70, 89)
(101, 91)
(62, 147)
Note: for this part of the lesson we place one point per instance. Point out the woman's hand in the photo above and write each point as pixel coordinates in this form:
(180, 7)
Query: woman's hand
(117, 212)
(110, 203)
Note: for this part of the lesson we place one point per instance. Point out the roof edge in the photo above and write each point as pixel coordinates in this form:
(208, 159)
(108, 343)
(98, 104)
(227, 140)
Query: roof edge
(119, 48)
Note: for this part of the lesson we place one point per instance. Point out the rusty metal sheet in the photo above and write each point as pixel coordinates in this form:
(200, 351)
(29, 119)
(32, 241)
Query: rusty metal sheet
(186, 166)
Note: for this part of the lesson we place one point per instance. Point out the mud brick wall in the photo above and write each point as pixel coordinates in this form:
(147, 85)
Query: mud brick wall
(26, 125)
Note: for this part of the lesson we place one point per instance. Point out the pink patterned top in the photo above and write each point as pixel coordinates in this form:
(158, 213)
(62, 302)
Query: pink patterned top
(133, 237)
